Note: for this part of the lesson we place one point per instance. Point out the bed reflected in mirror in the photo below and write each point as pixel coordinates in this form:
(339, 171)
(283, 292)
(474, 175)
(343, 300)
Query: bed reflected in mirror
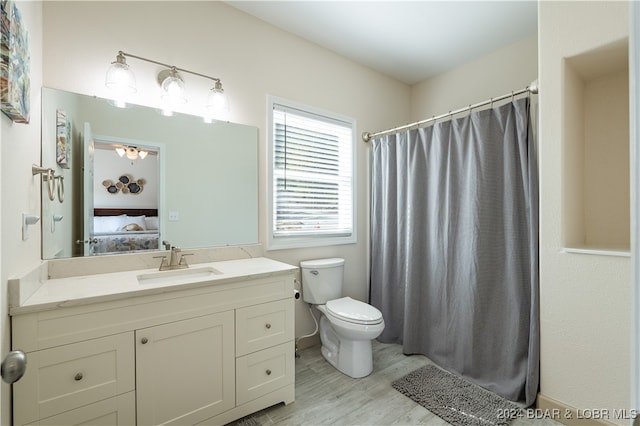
(126, 189)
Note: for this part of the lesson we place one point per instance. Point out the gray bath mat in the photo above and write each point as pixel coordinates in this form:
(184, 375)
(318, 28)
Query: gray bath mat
(455, 400)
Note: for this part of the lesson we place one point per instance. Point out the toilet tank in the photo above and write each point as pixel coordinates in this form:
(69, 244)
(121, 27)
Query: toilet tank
(321, 280)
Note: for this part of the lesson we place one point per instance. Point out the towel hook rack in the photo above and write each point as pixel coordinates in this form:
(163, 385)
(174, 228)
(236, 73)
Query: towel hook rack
(48, 175)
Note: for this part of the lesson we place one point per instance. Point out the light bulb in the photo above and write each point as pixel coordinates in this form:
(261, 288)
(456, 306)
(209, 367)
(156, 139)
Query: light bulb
(173, 88)
(132, 153)
(120, 80)
(120, 77)
(217, 101)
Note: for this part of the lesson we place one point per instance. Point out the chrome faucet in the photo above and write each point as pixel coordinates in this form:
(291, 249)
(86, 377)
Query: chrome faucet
(176, 260)
(175, 257)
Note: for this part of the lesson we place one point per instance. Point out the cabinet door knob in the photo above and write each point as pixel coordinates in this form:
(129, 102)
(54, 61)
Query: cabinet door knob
(78, 377)
(144, 340)
(268, 372)
(268, 325)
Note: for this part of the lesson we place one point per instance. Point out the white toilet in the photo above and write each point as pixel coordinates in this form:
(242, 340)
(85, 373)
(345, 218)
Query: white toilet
(347, 326)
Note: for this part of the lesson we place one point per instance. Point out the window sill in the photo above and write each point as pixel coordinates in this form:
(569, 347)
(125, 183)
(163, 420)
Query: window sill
(295, 243)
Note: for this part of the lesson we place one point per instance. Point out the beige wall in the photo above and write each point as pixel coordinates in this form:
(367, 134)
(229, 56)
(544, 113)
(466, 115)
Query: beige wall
(510, 68)
(606, 120)
(584, 299)
(20, 191)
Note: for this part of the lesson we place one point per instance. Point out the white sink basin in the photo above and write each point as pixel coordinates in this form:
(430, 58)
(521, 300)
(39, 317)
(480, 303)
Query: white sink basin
(179, 276)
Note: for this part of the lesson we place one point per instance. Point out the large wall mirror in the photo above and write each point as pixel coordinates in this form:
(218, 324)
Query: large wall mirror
(129, 179)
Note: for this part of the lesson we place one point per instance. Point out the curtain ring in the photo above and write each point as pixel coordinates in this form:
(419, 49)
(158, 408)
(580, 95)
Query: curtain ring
(60, 188)
(512, 96)
(491, 103)
(47, 175)
(51, 184)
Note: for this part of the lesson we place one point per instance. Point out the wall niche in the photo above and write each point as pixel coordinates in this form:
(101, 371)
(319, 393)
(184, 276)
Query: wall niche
(596, 181)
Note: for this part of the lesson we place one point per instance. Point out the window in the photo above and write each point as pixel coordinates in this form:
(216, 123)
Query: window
(311, 179)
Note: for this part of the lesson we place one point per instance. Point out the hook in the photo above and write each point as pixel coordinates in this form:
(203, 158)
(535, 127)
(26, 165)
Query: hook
(55, 218)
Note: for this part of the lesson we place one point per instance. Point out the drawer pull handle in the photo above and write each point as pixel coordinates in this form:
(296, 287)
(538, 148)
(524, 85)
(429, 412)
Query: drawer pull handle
(78, 377)
(144, 340)
(268, 372)
(268, 326)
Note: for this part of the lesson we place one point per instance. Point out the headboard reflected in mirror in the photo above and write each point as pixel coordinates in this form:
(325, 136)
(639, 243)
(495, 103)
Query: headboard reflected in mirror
(200, 179)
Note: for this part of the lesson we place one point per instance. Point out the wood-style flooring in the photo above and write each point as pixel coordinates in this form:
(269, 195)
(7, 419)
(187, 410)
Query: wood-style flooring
(324, 396)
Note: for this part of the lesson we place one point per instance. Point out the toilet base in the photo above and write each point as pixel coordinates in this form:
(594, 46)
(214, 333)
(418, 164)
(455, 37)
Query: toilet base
(345, 362)
(351, 357)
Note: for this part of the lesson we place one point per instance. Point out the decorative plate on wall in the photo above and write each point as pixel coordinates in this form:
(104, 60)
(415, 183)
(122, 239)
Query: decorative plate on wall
(109, 185)
(126, 184)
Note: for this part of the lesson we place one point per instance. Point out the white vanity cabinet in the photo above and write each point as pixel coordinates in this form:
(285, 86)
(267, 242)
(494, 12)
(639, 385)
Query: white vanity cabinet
(207, 354)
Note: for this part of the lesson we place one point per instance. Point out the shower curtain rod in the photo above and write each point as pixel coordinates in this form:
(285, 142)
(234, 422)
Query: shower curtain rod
(531, 88)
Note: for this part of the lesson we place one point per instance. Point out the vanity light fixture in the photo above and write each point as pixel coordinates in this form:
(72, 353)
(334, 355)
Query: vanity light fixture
(131, 152)
(121, 81)
(172, 86)
(217, 101)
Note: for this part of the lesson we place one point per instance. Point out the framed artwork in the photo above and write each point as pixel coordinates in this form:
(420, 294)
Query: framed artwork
(63, 139)
(14, 63)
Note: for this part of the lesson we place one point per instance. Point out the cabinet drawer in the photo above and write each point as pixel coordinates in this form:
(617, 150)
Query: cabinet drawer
(263, 326)
(265, 371)
(117, 411)
(70, 376)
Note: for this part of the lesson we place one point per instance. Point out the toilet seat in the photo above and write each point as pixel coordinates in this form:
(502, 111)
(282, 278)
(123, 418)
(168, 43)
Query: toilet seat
(353, 311)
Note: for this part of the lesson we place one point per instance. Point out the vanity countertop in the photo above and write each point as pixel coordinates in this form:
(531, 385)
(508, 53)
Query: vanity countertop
(87, 289)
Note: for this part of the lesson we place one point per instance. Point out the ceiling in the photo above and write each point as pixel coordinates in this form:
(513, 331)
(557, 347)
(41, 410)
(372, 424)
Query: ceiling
(408, 40)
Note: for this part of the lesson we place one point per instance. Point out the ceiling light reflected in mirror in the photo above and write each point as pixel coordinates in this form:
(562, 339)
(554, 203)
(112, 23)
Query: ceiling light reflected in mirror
(132, 152)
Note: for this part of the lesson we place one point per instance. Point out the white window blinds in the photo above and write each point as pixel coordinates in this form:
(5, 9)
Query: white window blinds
(312, 174)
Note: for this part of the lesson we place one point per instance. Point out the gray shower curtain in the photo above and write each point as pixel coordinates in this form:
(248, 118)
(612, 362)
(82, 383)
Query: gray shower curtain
(454, 246)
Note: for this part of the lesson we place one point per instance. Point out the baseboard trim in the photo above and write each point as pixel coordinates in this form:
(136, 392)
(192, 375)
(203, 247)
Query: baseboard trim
(570, 416)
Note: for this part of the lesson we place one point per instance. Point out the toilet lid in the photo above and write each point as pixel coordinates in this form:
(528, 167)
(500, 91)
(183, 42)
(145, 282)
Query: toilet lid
(354, 311)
